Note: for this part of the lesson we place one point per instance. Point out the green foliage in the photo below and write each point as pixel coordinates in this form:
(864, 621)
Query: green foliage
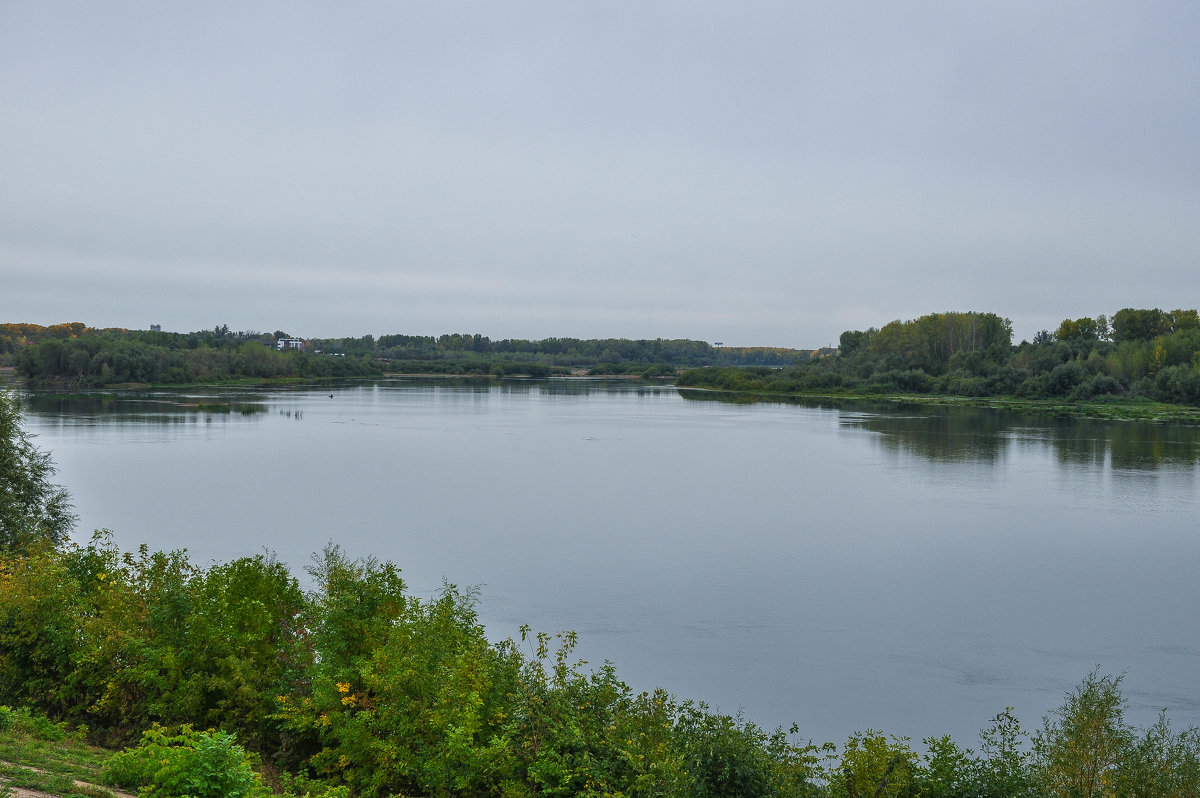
(1151, 354)
(728, 756)
(929, 342)
(874, 765)
(421, 711)
(946, 771)
(120, 641)
(79, 355)
(33, 510)
(1129, 324)
(39, 604)
(301, 786)
(377, 693)
(1084, 329)
(106, 357)
(188, 763)
(1004, 769)
(1082, 743)
(1096, 385)
(1160, 764)
(1178, 384)
(575, 732)
(24, 721)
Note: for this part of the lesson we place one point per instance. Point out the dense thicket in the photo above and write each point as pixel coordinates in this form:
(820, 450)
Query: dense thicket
(359, 682)
(1141, 354)
(363, 684)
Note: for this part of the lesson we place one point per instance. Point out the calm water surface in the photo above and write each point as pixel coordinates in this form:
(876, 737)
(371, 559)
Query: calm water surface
(844, 567)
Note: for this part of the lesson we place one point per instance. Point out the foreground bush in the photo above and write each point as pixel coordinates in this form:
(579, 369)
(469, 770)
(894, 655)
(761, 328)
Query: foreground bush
(189, 763)
(359, 688)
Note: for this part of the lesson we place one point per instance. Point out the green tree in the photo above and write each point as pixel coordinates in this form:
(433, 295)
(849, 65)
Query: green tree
(1084, 329)
(1081, 743)
(851, 341)
(1184, 319)
(1003, 770)
(1133, 324)
(1161, 764)
(32, 508)
(39, 631)
(873, 765)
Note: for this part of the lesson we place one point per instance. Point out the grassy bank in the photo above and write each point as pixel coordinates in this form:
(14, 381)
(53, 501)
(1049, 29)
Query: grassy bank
(37, 756)
(1114, 410)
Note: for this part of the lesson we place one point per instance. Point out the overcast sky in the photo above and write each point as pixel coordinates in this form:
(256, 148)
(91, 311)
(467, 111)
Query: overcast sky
(758, 173)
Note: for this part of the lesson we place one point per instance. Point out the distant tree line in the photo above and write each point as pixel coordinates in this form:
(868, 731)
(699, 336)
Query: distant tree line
(106, 357)
(1137, 355)
(475, 353)
(79, 355)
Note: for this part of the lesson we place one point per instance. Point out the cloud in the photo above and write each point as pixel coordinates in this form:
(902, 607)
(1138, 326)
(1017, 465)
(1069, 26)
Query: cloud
(769, 175)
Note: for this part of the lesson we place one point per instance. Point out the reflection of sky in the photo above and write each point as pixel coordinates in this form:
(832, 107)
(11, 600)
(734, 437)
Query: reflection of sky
(842, 569)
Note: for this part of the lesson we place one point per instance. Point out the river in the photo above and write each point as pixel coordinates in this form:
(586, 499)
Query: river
(841, 566)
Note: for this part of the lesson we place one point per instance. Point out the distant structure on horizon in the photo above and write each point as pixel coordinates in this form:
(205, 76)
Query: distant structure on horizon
(155, 328)
(289, 343)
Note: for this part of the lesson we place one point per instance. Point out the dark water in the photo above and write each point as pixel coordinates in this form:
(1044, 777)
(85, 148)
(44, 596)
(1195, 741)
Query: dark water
(844, 567)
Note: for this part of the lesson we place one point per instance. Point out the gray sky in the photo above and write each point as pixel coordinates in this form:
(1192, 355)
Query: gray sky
(755, 173)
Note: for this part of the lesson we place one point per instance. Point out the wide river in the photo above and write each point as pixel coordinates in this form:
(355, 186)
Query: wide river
(845, 567)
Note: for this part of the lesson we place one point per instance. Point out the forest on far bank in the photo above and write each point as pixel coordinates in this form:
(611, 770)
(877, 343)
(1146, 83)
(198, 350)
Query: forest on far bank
(1137, 355)
(80, 356)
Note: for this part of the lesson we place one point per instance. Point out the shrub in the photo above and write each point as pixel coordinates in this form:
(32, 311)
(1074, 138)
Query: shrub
(914, 380)
(39, 602)
(1007, 380)
(871, 764)
(725, 755)
(1178, 384)
(190, 763)
(36, 726)
(965, 385)
(1082, 743)
(1096, 385)
(1064, 378)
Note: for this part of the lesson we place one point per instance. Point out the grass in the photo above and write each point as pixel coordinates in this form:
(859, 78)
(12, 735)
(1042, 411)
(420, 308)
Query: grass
(36, 754)
(1110, 410)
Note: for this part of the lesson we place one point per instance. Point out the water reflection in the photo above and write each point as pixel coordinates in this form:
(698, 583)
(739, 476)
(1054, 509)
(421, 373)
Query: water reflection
(553, 386)
(957, 434)
(943, 435)
(985, 435)
(149, 407)
(187, 405)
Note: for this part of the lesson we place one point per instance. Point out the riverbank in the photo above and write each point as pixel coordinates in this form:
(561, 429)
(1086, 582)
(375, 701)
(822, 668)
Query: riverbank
(1119, 410)
(66, 386)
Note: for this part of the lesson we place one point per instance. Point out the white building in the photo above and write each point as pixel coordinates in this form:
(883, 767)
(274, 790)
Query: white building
(289, 343)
